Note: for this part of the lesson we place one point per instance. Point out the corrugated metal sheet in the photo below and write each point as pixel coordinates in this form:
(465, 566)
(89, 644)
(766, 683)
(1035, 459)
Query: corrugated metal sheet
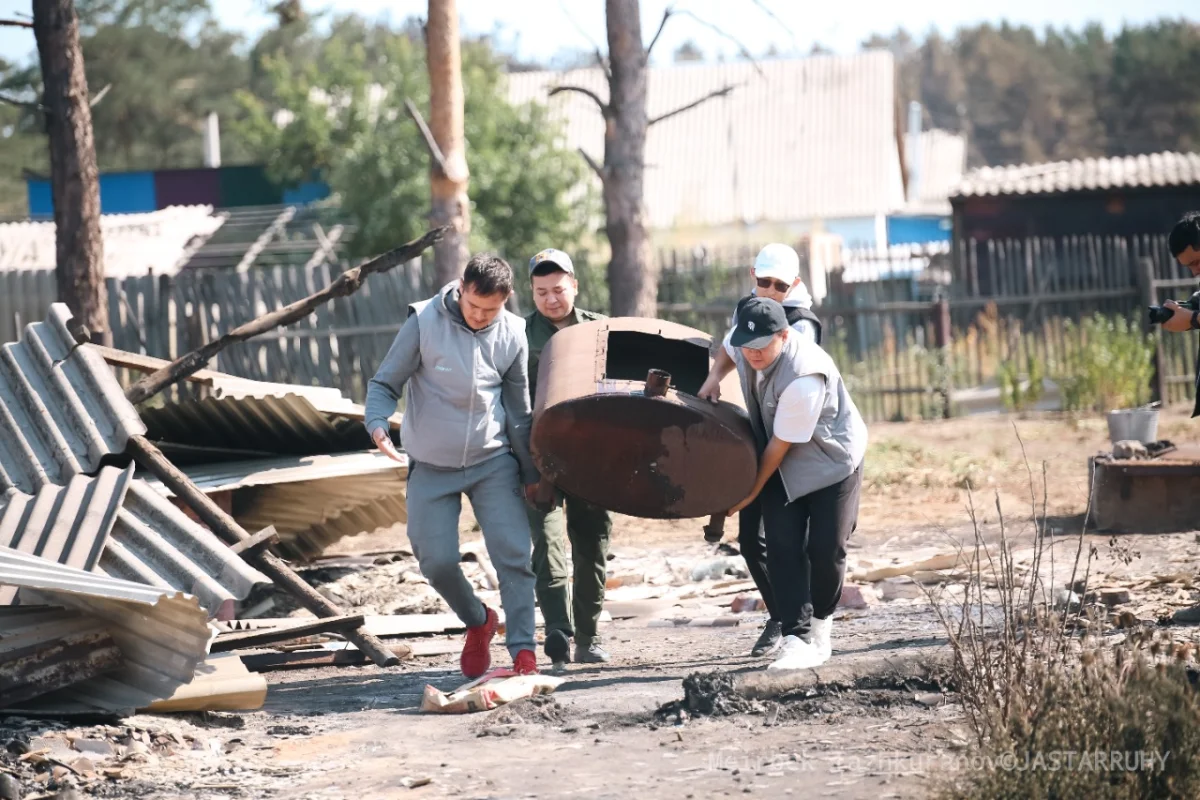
(68, 525)
(813, 139)
(253, 418)
(163, 636)
(43, 648)
(1159, 169)
(57, 421)
(312, 501)
(134, 244)
(154, 543)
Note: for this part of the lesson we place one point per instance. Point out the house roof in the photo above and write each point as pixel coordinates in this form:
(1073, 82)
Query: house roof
(811, 138)
(134, 244)
(1158, 169)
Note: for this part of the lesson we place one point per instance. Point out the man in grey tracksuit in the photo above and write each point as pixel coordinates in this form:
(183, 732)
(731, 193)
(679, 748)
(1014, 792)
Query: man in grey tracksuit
(464, 360)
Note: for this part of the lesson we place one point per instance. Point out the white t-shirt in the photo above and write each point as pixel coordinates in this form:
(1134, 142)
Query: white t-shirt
(799, 407)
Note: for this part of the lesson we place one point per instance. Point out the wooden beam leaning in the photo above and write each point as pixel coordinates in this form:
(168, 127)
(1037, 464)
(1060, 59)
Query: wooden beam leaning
(245, 639)
(226, 528)
(347, 283)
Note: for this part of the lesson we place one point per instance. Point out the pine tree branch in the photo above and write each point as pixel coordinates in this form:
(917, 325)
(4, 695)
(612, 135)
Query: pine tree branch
(99, 96)
(582, 90)
(591, 162)
(435, 152)
(711, 95)
(666, 16)
(12, 101)
(721, 32)
(15, 23)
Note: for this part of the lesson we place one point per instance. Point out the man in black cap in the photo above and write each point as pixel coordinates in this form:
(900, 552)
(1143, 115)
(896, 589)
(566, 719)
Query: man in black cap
(813, 441)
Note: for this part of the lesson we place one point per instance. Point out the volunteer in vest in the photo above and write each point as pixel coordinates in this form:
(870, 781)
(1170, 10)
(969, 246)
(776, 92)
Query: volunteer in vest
(776, 275)
(569, 610)
(463, 359)
(813, 441)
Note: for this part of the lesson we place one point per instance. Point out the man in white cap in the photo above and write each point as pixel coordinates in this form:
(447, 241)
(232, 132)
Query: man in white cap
(571, 600)
(776, 274)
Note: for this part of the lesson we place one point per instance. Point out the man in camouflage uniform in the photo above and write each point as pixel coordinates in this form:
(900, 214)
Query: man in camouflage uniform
(567, 613)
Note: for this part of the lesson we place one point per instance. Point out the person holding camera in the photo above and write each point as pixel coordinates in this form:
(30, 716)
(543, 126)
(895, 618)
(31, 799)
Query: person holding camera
(1184, 243)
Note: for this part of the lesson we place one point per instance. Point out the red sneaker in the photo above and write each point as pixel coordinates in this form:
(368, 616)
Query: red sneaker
(525, 663)
(476, 656)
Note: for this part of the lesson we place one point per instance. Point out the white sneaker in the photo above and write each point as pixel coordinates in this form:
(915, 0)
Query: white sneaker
(819, 635)
(795, 653)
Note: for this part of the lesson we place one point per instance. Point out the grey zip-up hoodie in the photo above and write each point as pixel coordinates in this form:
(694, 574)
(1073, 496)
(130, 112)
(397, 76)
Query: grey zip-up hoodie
(468, 391)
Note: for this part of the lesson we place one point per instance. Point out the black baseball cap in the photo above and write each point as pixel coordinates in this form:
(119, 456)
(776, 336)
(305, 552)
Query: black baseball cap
(758, 320)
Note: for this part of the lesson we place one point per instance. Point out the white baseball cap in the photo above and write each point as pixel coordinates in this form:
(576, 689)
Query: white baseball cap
(777, 261)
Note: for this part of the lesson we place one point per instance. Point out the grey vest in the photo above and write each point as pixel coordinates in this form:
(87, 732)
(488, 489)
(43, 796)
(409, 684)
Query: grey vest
(454, 417)
(839, 441)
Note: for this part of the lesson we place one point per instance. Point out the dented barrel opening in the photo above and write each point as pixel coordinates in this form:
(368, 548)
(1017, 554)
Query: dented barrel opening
(617, 422)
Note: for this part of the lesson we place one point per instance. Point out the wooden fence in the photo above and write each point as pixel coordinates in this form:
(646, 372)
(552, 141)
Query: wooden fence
(1006, 301)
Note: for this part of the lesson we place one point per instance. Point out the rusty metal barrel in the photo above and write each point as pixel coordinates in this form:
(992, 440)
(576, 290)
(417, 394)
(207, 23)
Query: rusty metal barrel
(617, 422)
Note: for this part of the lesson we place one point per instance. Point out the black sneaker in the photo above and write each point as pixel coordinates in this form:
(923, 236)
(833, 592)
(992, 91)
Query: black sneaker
(768, 641)
(591, 653)
(558, 647)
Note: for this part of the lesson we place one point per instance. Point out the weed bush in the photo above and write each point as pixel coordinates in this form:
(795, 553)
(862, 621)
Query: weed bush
(1039, 699)
(1110, 369)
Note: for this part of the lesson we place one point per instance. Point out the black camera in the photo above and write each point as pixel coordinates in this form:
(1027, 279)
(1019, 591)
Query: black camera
(1159, 314)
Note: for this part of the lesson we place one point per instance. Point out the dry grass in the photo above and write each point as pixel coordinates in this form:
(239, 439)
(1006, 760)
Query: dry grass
(1041, 687)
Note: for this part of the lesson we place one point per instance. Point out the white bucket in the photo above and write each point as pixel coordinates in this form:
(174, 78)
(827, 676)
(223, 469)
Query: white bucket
(1136, 424)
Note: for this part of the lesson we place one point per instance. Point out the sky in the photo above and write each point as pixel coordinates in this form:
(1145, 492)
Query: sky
(540, 29)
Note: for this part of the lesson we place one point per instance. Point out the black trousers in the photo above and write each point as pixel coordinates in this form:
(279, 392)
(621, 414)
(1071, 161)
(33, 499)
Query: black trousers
(806, 548)
(752, 541)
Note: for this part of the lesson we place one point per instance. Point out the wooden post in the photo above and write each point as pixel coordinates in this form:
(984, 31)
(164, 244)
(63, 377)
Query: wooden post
(1149, 289)
(224, 526)
(943, 337)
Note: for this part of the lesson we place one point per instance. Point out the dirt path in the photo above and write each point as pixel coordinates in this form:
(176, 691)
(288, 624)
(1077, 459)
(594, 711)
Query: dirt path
(356, 732)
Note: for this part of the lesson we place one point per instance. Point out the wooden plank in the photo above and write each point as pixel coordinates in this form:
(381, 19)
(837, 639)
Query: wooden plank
(312, 659)
(257, 541)
(245, 639)
(222, 683)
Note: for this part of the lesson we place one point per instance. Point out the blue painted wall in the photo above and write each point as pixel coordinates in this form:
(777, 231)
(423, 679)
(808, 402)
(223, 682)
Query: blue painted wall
(306, 193)
(40, 202)
(918, 230)
(120, 193)
(136, 192)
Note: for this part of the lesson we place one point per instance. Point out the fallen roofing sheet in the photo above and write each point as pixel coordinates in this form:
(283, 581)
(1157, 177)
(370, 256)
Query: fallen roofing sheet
(44, 648)
(312, 501)
(285, 423)
(155, 543)
(69, 525)
(163, 635)
(243, 417)
(57, 420)
(59, 417)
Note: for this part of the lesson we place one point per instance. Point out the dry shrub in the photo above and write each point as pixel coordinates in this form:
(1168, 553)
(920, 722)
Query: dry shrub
(1045, 698)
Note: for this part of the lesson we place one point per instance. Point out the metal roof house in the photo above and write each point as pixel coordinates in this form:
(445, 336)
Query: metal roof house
(799, 146)
(1123, 196)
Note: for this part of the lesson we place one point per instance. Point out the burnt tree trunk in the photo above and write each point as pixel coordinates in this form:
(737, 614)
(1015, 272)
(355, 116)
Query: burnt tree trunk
(74, 176)
(633, 284)
(449, 176)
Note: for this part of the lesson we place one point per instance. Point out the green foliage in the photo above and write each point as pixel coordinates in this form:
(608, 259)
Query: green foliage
(1021, 392)
(348, 123)
(1110, 369)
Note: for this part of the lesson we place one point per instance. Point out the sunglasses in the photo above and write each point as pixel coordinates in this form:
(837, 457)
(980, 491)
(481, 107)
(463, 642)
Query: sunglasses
(767, 283)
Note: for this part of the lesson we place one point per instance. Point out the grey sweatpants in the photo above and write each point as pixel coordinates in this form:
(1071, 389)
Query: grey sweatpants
(434, 506)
